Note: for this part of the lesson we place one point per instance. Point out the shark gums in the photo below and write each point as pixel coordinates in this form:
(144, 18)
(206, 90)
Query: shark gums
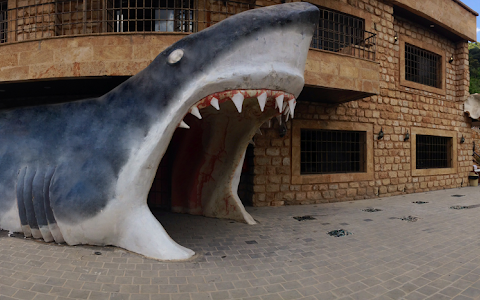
(80, 172)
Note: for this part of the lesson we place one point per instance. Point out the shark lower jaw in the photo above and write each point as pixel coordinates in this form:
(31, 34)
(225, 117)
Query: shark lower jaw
(207, 154)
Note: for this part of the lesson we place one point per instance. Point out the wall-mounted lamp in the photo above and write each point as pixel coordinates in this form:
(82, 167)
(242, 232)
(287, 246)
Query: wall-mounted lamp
(462, 140)
(380, 134)
(396, 37)
(407, 137)
(451, 59)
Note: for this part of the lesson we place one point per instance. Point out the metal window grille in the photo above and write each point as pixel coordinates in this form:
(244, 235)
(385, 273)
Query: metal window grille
(332, 151)
(151, 15)
(433, 151)
(3, 21)
(343, 33)
(79, 17)
(422, 66)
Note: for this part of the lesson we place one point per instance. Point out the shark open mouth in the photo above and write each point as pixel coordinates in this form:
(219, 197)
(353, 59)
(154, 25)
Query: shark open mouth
(209, 156)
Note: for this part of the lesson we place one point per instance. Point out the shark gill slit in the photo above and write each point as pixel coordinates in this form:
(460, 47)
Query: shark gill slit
(39, 207)
(21, 205)
(52, 223)
(28, 201)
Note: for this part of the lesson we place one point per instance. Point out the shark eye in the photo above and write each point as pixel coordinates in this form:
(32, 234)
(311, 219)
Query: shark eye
(175, 56)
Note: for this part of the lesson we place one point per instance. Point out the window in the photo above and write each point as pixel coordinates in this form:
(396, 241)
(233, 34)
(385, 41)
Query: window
(152, 15)
(433, 152)
(332, 151)
(422, 66)
(336, 31)
(3, 22)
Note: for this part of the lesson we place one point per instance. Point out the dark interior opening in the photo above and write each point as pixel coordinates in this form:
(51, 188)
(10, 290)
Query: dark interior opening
(160, 195)
(39, 92)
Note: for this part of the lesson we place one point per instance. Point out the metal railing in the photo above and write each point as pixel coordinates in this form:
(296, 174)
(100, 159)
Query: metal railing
(43, 19)
(3, 21)
(38, 19)
(345, 34)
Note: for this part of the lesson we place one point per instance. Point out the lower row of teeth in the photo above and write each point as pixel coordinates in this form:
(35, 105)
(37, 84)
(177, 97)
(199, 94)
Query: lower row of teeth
(284, 102)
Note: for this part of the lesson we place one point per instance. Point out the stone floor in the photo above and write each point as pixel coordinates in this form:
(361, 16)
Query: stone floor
(385, 257)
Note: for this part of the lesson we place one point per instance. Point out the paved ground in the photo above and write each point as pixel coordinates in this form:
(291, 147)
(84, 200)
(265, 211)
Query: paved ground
(436, 257)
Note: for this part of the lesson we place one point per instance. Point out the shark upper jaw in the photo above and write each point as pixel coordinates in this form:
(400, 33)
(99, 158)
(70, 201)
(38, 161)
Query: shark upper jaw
(272, 59)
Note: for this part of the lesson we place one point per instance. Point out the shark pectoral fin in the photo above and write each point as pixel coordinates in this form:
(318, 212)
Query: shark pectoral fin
(141, 232)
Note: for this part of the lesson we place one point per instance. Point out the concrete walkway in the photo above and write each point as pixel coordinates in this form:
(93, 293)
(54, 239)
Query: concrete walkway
(436, 257)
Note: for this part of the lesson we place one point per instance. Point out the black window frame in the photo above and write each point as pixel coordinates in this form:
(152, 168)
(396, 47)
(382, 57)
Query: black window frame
(326, 151)
(433, 152)
(423, 66)
(336, 30)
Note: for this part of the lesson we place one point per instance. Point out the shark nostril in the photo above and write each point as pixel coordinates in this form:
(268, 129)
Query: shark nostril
(175, 56)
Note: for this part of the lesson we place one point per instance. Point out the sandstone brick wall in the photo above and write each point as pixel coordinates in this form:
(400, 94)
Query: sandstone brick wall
(397, 109)
(112, 55)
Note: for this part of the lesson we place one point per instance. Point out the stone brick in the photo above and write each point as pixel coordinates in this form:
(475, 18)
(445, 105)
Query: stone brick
(273, 151)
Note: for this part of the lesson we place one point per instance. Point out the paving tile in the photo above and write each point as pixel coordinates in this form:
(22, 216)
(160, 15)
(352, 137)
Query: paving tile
(385, 259)
(471, 292)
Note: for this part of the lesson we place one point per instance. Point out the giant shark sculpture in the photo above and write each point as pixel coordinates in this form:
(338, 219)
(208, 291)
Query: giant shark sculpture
(80, 172)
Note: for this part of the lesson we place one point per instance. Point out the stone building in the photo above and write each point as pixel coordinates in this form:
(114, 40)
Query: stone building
(381, 113)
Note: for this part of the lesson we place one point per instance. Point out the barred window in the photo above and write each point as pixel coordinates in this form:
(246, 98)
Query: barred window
(152, 15)
(433, 152)
(337, 30)
(422, 66)
(332, 151)
(3, 21)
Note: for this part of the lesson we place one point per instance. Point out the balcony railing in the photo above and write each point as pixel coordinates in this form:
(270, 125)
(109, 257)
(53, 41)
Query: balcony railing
(38, 19)
(345, 34)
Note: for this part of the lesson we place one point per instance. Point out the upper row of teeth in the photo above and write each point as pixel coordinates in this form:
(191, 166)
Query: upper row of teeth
(285, 102)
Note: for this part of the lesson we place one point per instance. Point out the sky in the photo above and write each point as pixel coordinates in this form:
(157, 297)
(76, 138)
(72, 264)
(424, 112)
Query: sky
(475, 5)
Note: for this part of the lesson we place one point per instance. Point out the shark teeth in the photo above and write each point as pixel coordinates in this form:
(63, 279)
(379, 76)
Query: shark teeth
(238, 101)
(214, 103)
(183, 125)
(291, 104)
(194, 111)
(279, 101)
(285, 102)
(262, 100)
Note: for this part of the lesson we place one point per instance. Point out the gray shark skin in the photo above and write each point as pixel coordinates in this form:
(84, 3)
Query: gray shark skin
(80, 172)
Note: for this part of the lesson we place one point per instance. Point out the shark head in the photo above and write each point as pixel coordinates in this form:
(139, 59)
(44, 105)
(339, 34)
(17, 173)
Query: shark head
(197, 106)
(219, 86)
